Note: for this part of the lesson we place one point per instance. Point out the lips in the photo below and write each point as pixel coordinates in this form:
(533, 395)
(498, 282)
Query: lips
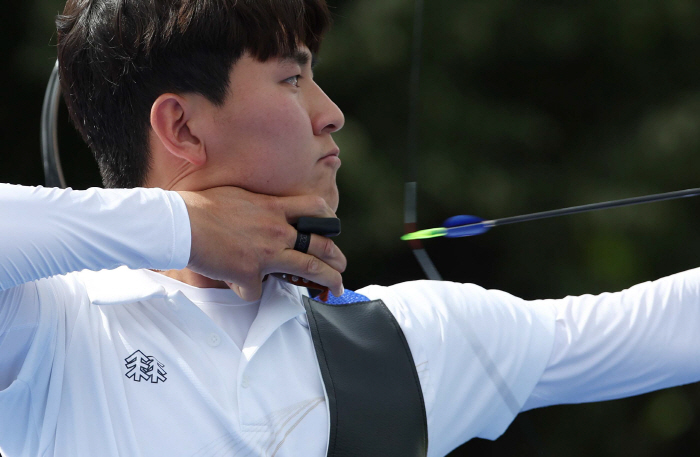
(331, 159)
(333, 153)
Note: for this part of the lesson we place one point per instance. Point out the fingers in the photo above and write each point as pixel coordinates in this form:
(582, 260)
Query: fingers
(322, 264)
(326, 250)
(239, 236)
(296, 207)
(312, 268)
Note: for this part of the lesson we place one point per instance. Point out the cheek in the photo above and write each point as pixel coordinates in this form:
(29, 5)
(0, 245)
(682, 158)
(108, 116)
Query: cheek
(277, 123)
(267, 145)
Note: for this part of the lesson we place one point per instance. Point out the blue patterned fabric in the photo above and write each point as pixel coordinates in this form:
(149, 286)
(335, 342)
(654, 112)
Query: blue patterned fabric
(348, 297)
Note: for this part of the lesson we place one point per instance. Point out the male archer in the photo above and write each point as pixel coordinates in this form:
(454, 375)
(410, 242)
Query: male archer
(211, 135)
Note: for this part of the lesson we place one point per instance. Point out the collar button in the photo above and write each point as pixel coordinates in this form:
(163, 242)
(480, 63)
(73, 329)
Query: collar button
(214, 340)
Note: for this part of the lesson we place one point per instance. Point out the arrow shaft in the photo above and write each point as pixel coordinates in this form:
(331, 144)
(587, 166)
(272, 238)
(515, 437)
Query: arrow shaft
(478, 228)
(598, 206)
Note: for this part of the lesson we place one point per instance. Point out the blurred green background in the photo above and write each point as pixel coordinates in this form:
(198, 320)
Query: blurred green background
(525, 106)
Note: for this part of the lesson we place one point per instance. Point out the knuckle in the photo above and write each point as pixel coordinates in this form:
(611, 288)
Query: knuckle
(279, 231)
(312, 265)
(328, 247)
(319, 203)
(268, 252)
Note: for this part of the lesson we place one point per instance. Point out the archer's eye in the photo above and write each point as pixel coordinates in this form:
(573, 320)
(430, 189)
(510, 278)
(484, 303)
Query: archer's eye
(293, 80)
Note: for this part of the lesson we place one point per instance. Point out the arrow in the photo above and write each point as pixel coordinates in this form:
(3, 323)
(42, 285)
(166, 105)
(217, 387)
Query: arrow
(459, 226)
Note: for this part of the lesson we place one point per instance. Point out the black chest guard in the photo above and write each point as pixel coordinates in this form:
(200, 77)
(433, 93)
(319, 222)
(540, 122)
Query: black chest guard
(375, 399)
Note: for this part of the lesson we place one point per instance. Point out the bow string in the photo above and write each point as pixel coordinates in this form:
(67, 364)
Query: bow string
(410, 226)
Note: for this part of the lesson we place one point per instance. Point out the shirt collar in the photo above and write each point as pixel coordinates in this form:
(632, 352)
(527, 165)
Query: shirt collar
(280, 300)
(123, 285)
(280, 303)
(120, 286)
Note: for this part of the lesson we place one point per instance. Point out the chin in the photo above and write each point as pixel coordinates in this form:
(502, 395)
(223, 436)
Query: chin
(333, 200)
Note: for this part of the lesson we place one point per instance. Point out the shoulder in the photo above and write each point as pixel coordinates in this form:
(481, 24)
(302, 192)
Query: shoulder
(429, 301)
(436, 313)
(58, 300)
(479, 352)
(42, 297)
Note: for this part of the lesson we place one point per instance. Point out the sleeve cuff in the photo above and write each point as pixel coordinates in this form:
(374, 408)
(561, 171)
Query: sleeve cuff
(182, 232)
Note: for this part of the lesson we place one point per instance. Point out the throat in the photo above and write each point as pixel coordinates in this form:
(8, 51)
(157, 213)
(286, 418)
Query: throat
(193, 279)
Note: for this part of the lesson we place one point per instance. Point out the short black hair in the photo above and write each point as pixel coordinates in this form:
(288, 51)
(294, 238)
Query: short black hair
(116, 57)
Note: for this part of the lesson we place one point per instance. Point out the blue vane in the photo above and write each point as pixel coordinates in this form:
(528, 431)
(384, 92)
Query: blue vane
(458, 226)
(348, 297)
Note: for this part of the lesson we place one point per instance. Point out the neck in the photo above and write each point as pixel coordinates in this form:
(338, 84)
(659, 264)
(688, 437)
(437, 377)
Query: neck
(194, 279)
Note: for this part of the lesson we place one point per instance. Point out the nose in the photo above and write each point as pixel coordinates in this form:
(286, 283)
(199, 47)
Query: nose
(326, 117)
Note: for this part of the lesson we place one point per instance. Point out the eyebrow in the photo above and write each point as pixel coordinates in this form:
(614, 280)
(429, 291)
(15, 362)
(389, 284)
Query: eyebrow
(301, 58)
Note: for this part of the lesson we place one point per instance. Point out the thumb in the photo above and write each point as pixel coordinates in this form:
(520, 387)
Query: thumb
(251, 292)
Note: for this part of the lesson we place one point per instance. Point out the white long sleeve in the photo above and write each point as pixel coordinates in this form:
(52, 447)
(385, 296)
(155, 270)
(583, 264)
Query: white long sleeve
(484, 355)
(621, 344)
(46, 232)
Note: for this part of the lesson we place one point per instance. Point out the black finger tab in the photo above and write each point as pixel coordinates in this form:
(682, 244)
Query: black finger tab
(325, 226)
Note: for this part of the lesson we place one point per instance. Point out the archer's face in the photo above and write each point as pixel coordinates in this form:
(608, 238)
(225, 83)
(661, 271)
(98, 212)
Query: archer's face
(273, 133)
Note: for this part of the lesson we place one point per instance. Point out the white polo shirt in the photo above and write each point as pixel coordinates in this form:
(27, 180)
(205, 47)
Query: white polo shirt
(111, 363)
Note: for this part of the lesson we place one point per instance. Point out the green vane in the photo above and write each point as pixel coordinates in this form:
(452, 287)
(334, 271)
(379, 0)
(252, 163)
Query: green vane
(424, 234)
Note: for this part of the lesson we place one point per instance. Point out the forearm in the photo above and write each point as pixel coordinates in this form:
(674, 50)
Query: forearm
(45, 232)
(622, 344)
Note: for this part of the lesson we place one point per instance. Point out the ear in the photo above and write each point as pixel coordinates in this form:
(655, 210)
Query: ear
(171, 120)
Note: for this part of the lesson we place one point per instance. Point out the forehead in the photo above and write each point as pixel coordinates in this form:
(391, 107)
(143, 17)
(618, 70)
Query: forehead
(301, 56)
(248, 66)
(249, 72)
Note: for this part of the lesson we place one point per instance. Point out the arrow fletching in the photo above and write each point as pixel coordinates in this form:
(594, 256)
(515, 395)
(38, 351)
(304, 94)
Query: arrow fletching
(425, 234)
(464, 225)
(454, 227)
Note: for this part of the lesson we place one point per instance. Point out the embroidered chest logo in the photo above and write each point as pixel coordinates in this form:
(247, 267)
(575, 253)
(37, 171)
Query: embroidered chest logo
(141, 366)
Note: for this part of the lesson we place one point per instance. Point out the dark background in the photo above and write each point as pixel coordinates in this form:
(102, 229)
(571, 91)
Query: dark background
(526, 105)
